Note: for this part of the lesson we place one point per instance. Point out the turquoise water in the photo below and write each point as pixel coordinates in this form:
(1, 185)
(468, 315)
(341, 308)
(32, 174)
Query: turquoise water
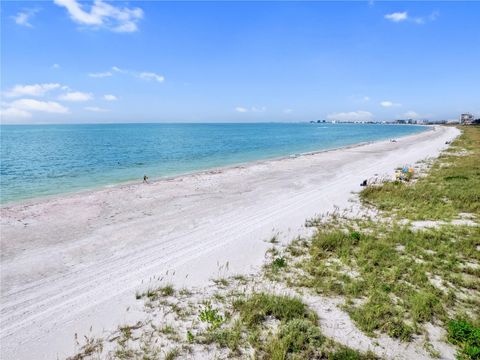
(39, 160)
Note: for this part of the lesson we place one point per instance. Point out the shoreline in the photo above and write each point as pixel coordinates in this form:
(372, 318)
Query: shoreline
(86, 191)
(75, 262)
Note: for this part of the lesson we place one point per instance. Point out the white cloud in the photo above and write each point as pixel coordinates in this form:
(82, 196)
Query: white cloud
(287, 111)
(55, 66)
(110, 97)
(397, 16)
(126, 27)
(31, 90)
(151, 76)
(351, 116)
(403, 16)
(260, 109)
(433, 16)
(101, 74)
(78, 14)
(418, 20)
(411, 115)
(96, 109)
(103, 15)
(389, 104)
(14, 113)
(76, 96)
(254, 109)
(117, 69)
(422, 20)
(23, 17)
(145, 75)
(36, 105)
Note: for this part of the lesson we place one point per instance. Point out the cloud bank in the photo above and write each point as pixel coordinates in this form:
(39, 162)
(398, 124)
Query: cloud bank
(22, 18)
(397, 16)
(359, 115)
(389, 104)
(31, 90)
(101, 74)
(76, 96)
(253, 109)
(403, 16)
(96, 109)
(110, 97)
(23, 109)
(151, 76)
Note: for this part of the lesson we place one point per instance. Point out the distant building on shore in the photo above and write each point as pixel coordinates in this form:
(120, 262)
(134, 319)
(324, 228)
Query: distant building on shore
(453, 121)
(405, 121)
(467, 119)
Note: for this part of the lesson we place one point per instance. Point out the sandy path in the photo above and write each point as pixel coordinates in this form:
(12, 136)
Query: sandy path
(72, 262)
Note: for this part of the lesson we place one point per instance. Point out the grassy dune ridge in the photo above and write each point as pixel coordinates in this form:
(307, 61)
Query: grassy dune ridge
(397, 274)
(451, 187)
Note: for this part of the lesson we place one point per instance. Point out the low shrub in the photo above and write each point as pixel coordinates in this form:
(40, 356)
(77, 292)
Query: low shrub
(254, 310)
(467, 337)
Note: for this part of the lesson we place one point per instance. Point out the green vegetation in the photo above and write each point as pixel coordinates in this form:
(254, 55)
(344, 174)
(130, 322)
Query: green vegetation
(395, 278)
(190, 336)
(451, 187)
(156, 293)
(221, 282)
(277, 327)
(279, 263)
(227, 337)
(392, 270)
(172, 354)
(274, 239)
(92, 347)
(467, 337)
(262, 305)
(298, 336)
(211, 316)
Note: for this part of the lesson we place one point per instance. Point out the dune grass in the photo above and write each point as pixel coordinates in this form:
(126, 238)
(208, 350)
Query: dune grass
(262, 305)
(156, 293)
(392, 270)
(451, 187)
(277, 327)
(395, 278)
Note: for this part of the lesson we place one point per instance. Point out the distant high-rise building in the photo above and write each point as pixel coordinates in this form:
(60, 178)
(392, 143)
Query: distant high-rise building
(466, 119)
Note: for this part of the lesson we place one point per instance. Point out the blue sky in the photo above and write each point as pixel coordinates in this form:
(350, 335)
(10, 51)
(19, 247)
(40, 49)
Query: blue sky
(81, 62)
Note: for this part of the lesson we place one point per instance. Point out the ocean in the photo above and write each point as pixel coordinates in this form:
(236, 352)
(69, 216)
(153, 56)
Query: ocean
(41, 160)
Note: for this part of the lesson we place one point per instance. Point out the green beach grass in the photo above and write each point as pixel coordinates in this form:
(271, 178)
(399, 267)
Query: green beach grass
(397, 277)
(451, 187)
(275, 327)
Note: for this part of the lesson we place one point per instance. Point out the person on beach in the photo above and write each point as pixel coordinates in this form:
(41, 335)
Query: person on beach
(145, 179)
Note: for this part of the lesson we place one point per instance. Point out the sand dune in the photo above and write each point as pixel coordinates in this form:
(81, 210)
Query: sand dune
(72, 262)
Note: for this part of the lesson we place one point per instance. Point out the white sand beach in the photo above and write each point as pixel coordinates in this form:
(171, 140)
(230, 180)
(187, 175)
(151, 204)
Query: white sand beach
(73, 262)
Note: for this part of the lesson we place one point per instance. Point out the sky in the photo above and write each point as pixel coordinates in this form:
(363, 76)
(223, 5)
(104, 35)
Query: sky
(66, 61)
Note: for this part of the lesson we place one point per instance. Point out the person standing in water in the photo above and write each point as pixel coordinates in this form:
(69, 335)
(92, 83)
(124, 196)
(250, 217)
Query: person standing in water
(145, 179)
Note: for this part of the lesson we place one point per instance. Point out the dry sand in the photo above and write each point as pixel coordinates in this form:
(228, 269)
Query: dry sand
(73, 262)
